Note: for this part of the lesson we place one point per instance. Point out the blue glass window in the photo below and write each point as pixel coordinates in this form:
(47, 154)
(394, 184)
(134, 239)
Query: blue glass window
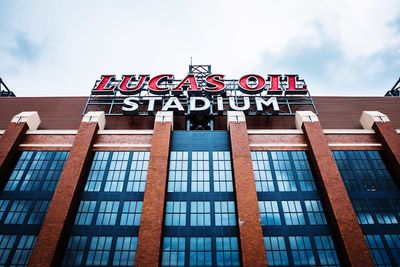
(200, 172)
(269, 213)
(38, 212)
(276, 251)
(85, 213)
(99, 251)
(131, 213)
(178, 172)
(173, 253)
(108, 218)
(301, 250)
(36, 171)
(227, 251)
(200, 201)
(200, 213)
(225, 214)
(293, 213)
(125, 251)
(118, 172)
(107, 214)
(315, 212)
(75, 251)
(24, 203)
(393, 242)
(6, 245)
(289, 204)
(200, 251)
(222, 171)
(326, 251)
(378, 250)
(175, 213)
(375, 198)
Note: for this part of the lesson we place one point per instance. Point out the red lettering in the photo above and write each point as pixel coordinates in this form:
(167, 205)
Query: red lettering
(215, 84)
(189, 83)
(126, 87)
(105, 87)
(251, 84)
(292, 86)
(274, 87)
(154, 84)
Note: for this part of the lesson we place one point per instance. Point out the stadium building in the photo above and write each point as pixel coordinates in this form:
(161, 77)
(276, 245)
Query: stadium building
(200, 171)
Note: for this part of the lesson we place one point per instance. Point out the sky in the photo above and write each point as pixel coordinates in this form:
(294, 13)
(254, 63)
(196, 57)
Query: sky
(339, 47)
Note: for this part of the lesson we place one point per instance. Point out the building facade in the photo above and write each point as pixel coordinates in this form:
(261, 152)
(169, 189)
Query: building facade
(100, 190)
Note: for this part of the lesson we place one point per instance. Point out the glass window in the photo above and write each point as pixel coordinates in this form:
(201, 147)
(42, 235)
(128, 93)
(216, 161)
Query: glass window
(97, 171)
(18, 212)
(301, 250)
(363, 214)
(23, 250)
(200, 213)
(125, 251)
(99, 251)
(383, 211)
(116, 172)
(293, 213)
(326, 251)
(222, 171)
(131, 213)
(225, 214)
(85, 213)
(315, 212)
(36, 171)
(262, 172)
(178, 172)
(276, 251)
(227, 251)
(175, 213)
(6, 245)
(38, 212)
(283, 171)
(380, 256)
(200, 172)
(269, 213)
(200, 251)
(108, 212)
(394, 246)
(173, 253)
(75, 251)
(303, 171)
(138, 171)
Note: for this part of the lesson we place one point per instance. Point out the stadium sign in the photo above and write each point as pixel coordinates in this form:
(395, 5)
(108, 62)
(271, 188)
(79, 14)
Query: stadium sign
(211, 94)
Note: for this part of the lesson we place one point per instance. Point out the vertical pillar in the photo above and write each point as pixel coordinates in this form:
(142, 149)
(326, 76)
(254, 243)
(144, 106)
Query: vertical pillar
(350, 237)
(52, 236)
(151, 224)
(387, 135)
(12, 138)
(251, 237)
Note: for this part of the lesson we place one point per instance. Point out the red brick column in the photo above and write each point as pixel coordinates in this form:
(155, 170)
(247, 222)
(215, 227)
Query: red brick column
(151, 224)
(12, 137)
(52, 236)
(352, 245)
(251, 236)
(387, 135)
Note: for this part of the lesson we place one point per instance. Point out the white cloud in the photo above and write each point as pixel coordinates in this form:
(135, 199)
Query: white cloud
(83, 39)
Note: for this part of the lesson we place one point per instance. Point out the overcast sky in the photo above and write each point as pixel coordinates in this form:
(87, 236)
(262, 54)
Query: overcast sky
(340, 47)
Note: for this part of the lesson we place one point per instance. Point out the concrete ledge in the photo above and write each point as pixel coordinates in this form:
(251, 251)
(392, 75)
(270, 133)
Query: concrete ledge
(368, 118)
(165, 116)
(95, 116)
(30, 117)
(304, 116)
(235, 116)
